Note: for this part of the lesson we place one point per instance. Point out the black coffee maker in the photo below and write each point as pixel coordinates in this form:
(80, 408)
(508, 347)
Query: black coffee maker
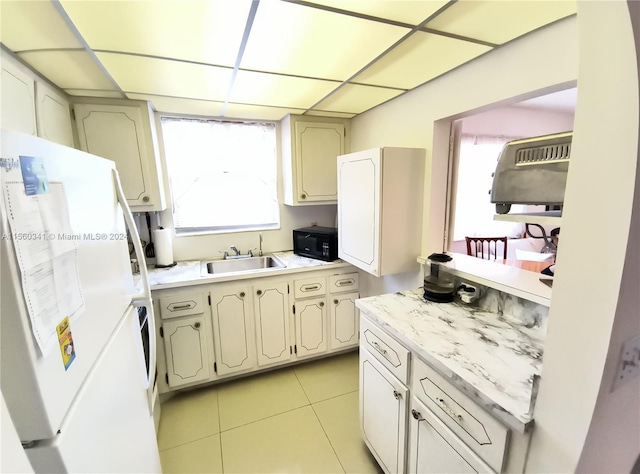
(439, 284)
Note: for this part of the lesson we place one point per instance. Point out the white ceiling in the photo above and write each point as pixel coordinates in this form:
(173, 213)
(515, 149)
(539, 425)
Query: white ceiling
(261, 59)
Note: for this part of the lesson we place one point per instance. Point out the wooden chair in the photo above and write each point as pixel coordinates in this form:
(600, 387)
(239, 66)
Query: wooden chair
(476, 247)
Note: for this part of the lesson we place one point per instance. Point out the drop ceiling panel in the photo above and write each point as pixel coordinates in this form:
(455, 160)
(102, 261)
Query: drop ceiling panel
(166, 77)
(410, 12)
(274, 90)
(421, 57)
(27, 25)
(68, 69)
(174, 105)
(500, 21)
(197, 30)
(356, 98)
(257, 112)
(292, 39)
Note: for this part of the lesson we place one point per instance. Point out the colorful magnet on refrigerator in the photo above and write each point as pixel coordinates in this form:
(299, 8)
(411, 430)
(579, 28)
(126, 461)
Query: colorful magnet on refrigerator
(65, 339)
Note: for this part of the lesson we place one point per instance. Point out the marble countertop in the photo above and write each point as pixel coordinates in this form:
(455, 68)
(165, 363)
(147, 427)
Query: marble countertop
(189, 272)
(492, 358)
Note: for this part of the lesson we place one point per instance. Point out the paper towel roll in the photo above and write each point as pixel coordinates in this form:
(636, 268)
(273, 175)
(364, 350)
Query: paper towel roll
(163, 247)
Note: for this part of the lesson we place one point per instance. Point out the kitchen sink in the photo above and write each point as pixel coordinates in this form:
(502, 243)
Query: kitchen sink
(248, 264)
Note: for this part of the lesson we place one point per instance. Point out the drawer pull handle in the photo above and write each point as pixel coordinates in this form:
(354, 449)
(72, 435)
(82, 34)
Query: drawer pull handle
(350, 281)
(380, 349)
(448, 410)
(397, 395)
(310, 287)
(416, 415)
(180, 306)
(196, 325)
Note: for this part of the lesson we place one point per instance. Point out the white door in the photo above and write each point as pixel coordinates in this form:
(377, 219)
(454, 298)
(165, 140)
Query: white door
(117, 133)
(344, 320)
(232, 329)
(271, 308)
(359, 190)
(435, 449)
(311, 326)
(109, 427)
(383, 409)
(185, 344)
(53, 114)
(17, 98)
(318, 145)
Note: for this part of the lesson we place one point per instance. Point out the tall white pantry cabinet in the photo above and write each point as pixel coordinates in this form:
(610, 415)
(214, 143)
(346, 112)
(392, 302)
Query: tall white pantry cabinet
(380, 201)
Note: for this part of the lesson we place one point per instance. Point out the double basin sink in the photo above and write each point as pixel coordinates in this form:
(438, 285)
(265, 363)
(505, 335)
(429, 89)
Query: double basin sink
(245, 264)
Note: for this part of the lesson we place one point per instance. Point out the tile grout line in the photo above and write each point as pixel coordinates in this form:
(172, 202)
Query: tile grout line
(328, 439)
(265, 418)
(295, 373)
(188, 442)
(220, 430)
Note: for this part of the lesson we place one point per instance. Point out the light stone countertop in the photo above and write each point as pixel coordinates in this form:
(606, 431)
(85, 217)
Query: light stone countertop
(188, 273)
(492, 358)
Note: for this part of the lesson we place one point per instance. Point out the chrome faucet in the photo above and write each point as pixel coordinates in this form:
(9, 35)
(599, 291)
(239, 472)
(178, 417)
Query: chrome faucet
(233, 247)
(260, 252)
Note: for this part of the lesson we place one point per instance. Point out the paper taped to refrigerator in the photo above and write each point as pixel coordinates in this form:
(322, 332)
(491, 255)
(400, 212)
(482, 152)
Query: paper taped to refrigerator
(48, 264)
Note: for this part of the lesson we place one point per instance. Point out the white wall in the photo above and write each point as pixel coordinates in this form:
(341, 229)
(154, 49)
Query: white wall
(542, 62)
(593, 311)
(518, 121)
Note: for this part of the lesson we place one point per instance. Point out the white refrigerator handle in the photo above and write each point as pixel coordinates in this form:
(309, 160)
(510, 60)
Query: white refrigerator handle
(143, 299)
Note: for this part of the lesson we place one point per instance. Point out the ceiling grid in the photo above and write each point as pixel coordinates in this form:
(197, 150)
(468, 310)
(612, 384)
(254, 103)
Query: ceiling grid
(261, 59)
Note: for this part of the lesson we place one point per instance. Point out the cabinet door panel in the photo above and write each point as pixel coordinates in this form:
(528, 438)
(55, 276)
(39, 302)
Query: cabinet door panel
(383, 409)
(18, 101)
(186, 350)
(311, 326)
(317, 147)
(435, 449)
(231, 311)
(271, 306)
(358, 209)
(344, 321)
(54, 119)
(117, 133)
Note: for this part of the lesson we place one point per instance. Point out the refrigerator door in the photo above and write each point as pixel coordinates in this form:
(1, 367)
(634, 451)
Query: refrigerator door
(37, 388)
(108, 428)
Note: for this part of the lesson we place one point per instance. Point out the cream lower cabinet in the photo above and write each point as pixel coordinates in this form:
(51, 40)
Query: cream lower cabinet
(232, 317)
(311, 326)
(185, 343)
(383, 413)
(343, 320)
(435, 449)
(272, 319)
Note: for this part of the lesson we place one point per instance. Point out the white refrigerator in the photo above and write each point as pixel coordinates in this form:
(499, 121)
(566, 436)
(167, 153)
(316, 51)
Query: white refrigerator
(74, 371)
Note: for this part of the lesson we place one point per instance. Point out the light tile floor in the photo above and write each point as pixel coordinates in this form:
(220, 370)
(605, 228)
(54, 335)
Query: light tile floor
(301, 419)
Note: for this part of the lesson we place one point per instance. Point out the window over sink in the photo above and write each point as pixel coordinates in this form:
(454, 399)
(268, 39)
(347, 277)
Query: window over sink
(222, 174)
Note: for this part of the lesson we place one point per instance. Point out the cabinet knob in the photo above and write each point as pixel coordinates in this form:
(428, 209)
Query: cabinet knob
(416, 414)
(303, 196)
(145, 199)
(242, 294)
(321, 304)
(397, 395)
(335, 301)
(196, 325)
(259, 292)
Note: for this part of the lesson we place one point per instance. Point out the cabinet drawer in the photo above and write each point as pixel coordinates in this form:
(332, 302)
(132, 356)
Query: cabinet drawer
(181, 305)
(485, 435)
(385, 349)
(309, 287)
(346, 282)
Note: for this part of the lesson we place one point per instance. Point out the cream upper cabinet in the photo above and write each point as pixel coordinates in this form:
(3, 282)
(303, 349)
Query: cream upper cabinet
(124, 131)
(380, 209)
(53, 115)
(310, 147)
(17, 99)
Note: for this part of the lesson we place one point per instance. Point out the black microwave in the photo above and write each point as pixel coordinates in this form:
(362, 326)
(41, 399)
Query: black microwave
(316, 242)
